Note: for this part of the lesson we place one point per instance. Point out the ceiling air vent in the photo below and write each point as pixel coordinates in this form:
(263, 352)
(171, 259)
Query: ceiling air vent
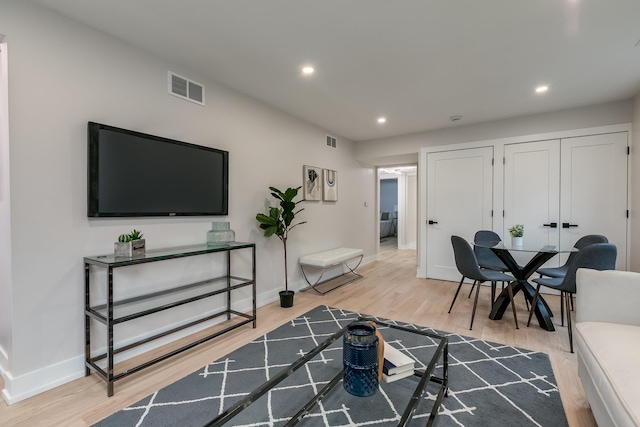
(331, 141)
(186, 89)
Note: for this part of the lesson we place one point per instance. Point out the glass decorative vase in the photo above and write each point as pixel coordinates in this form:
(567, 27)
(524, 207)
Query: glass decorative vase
(360, 357)
(220, 234)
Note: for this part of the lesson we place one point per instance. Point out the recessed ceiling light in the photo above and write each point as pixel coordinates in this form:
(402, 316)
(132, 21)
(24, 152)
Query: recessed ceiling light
(455, 118)
(542, 89)
(382, 120)
(308, 70)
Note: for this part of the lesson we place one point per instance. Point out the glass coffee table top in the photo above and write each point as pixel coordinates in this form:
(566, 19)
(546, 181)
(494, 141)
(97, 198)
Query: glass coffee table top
(326, 402)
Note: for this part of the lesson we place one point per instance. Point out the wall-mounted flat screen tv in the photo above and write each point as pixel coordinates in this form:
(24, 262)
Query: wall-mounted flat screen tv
(135, 174)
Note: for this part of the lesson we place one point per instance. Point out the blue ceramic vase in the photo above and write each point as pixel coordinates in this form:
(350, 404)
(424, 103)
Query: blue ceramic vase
(360, 357)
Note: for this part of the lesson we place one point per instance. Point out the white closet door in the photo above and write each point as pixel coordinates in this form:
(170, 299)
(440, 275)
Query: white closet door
(459, 201)
(594, 190)
(531, 193)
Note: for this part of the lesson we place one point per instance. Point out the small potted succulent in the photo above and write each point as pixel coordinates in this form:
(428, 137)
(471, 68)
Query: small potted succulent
(517, 233)
(129, 244)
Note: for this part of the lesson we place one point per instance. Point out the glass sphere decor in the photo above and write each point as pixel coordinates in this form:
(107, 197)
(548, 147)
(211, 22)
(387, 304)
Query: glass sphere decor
(360, 357)
(220, 234)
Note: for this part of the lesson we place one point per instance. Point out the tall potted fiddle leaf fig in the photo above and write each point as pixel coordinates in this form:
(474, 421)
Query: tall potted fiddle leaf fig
(279, 222)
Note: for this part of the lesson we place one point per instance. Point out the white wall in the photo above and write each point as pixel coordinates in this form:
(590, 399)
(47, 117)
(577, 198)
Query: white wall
(405, 148)
(62, 75)
(5, 217)
(634, 185)
(497, 146)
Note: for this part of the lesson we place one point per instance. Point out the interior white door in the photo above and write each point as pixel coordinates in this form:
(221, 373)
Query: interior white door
(594, 190)
(531, 193)
(459, 201)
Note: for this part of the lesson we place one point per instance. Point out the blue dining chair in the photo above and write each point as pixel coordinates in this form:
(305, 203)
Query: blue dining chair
(598, 256)
(582, 243)
(561, 271)
(468, 266)
(486, 258)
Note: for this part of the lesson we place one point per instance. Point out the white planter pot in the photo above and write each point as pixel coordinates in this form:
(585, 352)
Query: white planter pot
(516, 241)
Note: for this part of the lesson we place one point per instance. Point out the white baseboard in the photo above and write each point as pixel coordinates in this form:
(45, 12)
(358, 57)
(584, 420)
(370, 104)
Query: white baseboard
(17, 388)
(369, 259)
(407, 246)
(21, 387)
(35, 382)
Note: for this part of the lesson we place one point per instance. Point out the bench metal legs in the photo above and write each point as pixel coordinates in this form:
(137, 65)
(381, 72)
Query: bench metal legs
(352, 271)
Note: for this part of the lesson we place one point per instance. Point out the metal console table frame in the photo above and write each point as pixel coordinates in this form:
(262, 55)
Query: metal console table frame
(110, 315)
(426, 376)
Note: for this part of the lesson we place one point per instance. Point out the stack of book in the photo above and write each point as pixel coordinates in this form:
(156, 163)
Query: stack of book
(397, 365)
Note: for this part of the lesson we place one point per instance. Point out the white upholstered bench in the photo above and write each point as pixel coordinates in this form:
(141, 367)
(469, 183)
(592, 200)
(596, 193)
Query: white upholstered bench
(329, 259)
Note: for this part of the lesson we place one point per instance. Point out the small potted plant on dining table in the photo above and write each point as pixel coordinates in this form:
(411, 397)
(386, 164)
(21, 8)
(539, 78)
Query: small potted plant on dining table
(517, 233)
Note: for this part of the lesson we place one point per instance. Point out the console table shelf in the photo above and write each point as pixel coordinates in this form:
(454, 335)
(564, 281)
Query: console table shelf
(113, 312)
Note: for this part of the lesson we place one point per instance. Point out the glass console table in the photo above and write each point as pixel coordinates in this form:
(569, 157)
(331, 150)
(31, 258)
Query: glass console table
(113, 312)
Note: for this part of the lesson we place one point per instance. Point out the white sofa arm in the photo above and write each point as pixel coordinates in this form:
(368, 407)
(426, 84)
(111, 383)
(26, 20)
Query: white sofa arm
(608, 296)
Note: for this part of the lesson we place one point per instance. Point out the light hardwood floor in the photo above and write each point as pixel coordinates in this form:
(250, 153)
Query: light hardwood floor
(390, 289)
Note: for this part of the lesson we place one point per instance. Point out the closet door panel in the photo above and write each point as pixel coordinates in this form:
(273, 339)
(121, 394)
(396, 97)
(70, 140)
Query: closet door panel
(594, 190)
(459, 201)
(531, 193)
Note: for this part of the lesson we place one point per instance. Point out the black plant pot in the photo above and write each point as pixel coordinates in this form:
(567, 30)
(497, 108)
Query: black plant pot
(286, 298)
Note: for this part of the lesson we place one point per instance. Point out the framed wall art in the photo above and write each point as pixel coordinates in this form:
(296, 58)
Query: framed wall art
(330, 185)
(311, 183)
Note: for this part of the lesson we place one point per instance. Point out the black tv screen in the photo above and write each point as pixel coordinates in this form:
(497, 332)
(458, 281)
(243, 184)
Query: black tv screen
(135, 174)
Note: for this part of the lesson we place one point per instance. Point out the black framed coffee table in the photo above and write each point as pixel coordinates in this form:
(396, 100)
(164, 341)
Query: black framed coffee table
(405, 394)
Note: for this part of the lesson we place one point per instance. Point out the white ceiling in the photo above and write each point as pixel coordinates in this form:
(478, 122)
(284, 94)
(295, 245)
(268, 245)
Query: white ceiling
(416, 62)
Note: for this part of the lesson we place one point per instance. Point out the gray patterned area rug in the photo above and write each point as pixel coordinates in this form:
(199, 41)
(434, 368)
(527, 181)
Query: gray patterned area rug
(489, 384)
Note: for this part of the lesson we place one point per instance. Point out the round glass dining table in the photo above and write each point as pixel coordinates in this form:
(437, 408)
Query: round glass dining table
(521, 274)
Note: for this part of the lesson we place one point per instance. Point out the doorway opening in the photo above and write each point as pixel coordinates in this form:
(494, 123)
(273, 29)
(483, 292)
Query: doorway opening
(398, 207)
